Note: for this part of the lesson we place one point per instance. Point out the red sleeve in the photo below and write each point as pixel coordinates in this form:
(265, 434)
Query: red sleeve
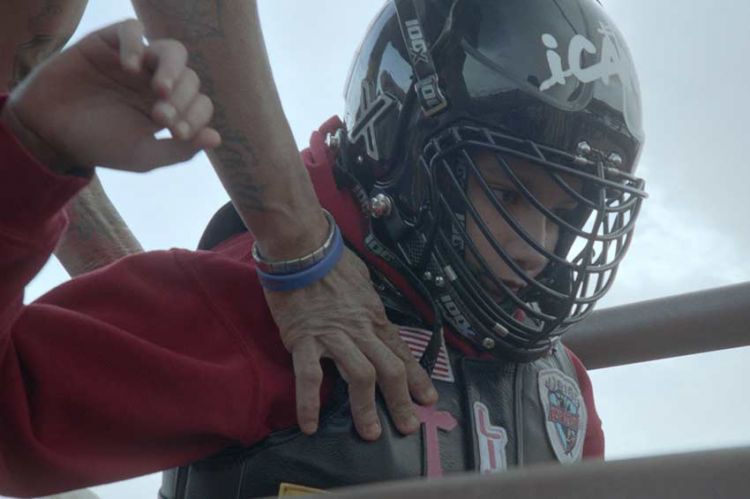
(593, 446)
(144, 365)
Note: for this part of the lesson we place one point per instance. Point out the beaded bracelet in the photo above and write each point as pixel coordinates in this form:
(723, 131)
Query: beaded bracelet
(288, 275)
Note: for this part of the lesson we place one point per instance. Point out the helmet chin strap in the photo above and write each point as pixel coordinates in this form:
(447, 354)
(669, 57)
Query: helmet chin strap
(345, 178)
(427, 85)
(431, 352)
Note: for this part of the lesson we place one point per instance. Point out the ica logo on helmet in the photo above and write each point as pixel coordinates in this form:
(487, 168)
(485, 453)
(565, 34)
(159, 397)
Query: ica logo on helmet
(612, 60)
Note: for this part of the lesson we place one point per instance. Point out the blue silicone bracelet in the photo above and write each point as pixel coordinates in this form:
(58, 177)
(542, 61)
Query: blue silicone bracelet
(305, 277)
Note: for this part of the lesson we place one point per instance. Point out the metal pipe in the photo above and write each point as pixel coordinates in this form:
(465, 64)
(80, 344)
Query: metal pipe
(698, 322)
(687, 476)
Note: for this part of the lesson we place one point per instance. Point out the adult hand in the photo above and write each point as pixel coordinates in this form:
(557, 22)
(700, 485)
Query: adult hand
(100, 102)
(341, 317)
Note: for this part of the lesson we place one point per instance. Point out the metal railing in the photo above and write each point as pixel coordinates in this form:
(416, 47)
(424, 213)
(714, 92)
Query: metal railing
(723, 474)
(703, 321)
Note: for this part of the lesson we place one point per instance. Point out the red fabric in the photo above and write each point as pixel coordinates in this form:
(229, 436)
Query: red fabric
(114, 359)
(593, 445)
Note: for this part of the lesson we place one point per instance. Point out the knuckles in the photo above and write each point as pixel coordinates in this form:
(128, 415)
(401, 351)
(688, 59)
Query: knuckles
(362, 375)
(311, 373)
(394, 373)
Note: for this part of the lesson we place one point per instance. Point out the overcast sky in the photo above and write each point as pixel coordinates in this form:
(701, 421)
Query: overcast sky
(693, 233)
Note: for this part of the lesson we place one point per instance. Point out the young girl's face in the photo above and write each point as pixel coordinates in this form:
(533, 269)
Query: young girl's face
(538, 226)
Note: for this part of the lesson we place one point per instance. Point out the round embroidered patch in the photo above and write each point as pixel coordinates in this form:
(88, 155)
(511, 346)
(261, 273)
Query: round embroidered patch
(565, 414)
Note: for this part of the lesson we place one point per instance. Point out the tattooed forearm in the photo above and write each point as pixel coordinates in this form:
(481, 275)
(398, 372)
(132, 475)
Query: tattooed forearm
(236, 156)
(258, 162)
(200, 18)
(33, 52)
(246, 192)
(45, 19)
(49, 28)
(97, 235)
(34, 30)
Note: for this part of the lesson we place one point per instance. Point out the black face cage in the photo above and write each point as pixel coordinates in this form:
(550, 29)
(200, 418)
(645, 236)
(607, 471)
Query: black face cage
(592, 239)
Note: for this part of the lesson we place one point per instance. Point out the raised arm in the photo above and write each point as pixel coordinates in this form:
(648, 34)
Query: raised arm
(78, 366)
(34, 30)
(96, 235)
(260, 167)
(258, 162)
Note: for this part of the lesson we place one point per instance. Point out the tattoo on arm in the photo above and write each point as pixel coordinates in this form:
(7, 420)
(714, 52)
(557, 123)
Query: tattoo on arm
(32, 53)
(44, 43)
(236, 157)
(236, 154)
(50, 11)
(97, 234)
(200, 18)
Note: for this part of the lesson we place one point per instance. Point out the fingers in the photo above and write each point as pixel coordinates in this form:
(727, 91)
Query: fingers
(195, 118)
(308, 378)
(167, 59)
(132, 49)
(185, 90)
(189, 123)
(189, 128)
(420, 384)
(359, 374)
(183, 109)
(150, 153)
(207, 139)
(127, 38)
(392, 380)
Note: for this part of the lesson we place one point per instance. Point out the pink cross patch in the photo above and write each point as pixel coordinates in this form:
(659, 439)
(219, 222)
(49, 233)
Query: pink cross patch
(432, 419)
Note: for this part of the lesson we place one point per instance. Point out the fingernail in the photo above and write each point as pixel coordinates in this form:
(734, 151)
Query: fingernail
(373, 430)
(132, 62)
(169, 112)
(166, 84)
(413, 423)
(183, 129)
(431, 393)
(309, 428)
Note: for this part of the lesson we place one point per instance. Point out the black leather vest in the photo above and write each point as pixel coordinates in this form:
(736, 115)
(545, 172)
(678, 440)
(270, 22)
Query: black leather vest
(492, 415)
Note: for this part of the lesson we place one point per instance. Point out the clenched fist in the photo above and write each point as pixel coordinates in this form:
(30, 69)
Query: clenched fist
(100, 102)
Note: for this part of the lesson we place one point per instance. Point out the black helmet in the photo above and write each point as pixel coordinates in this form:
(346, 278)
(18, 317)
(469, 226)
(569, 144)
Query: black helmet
(544, 82)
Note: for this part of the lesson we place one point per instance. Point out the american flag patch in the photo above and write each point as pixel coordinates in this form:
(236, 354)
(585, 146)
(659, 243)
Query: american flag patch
(417, 340)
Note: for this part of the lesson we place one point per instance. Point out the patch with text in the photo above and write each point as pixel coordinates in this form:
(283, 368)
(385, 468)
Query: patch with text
(565, 414)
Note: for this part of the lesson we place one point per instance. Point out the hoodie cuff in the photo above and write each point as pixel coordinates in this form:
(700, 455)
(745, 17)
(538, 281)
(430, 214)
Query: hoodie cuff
(32, 197)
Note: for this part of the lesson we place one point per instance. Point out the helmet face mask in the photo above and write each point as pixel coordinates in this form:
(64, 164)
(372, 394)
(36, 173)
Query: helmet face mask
(522, 291)
(472, 185)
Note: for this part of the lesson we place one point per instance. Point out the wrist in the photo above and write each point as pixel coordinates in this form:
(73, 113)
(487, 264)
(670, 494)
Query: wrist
(290, 275)
(43, 152)
(295, 235)
(302, 260)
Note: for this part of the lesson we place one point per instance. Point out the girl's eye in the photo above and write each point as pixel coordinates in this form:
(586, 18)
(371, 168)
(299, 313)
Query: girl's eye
(506, 196)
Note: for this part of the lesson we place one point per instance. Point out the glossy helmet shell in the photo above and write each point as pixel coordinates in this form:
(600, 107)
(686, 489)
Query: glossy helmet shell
(547, 82)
